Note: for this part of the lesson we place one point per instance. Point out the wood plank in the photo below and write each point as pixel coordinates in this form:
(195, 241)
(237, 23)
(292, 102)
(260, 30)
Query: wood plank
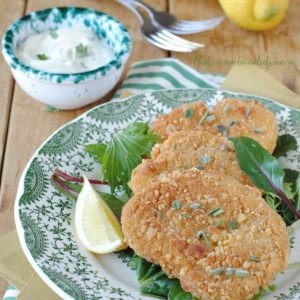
(30, 124)
(229, 42)
(11, 10)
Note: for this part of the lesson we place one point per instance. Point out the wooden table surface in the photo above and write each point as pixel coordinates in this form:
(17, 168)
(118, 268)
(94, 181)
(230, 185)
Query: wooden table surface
(25, 124)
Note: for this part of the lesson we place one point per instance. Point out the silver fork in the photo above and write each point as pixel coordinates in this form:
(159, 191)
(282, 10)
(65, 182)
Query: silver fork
(161, 37)
(174, 25)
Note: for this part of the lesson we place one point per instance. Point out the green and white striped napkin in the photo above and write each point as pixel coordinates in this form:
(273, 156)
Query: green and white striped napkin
(166, 73)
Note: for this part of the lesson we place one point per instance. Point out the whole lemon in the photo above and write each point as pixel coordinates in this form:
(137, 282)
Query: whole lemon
(256, 15)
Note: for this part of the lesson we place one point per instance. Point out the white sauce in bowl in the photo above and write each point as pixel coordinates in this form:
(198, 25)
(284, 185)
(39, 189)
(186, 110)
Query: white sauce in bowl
(65, 51)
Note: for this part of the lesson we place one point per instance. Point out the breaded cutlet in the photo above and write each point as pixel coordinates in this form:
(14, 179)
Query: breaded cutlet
(186, 149)
(229, 118)
(216, 235)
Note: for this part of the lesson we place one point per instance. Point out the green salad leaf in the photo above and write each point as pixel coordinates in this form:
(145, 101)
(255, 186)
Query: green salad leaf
(177, 293)
(152, 280)
(123, 153)
(263, 169)
(285, 143)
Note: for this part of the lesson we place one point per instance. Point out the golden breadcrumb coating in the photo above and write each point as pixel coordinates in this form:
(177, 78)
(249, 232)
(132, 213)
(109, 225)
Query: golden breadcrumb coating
(184, 150)
(245, 118)
(191, 243)
(167, 124)
(230, 118)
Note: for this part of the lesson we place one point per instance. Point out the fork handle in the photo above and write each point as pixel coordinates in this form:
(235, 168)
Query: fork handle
(131, 4)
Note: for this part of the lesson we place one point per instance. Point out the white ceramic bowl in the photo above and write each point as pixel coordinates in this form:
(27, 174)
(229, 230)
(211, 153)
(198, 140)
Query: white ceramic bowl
(67, 91)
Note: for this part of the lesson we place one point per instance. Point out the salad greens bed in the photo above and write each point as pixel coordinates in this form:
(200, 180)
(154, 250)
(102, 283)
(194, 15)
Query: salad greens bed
(125, 151)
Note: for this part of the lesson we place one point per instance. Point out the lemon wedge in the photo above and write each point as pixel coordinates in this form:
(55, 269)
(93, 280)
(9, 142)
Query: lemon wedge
(97, 227)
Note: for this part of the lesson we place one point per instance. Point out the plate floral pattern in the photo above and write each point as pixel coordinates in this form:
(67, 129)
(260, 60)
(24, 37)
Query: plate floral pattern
(44, 217)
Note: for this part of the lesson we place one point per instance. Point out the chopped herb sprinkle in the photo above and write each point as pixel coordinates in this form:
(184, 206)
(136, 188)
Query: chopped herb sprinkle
(42, 56)
(225, 133)
(186, 216)
(258, 130)
(188, 113)
(241, 273)
(219, 223)
(200, 168)
(174, 146)
(195, 205)
(204, 159)
(250, 257)
(223, 147)
(53, 34)
(202, 234)
(211, 118)
(232, 225)
(232, 123)
(211, 211)
(176, 204)
(81, 50)
(221, 128)
(229, 271)
(226, 108)
(218, 212)
(203, 118)
(231, 139)
(217, 271)
(248, 110)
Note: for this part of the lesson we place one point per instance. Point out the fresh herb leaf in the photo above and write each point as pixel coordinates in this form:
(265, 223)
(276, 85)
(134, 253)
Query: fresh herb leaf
(42, 56)
(123, 153)
(203, 118)
(262, 168)
(211, 118)
(81, 50)
(195, 205)
(217, 271)
(229, 271)
(96, 150)
(219, 223)
(152, 280)
(285, 143)
(248, 111)
(186, 216)
(204, 159)
(254, 258)
(176, 204)
(177, 293)
(232, 225)
(241, 273)
(189, 113)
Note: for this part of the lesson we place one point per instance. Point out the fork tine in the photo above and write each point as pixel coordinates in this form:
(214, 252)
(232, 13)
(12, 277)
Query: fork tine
(164, 40)
(179, 40)
(184, 23)
(166, 47)
(183, 30)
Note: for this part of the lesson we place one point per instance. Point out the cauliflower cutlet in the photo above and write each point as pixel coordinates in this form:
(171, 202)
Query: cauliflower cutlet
(184, 117)
(230, 118)
(187, 149)
(216, 235)
(248, 118)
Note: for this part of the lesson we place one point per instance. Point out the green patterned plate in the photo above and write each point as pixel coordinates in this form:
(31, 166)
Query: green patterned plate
(44, 217)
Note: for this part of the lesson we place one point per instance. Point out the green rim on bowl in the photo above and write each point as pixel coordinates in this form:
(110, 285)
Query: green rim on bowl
(104, 26)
